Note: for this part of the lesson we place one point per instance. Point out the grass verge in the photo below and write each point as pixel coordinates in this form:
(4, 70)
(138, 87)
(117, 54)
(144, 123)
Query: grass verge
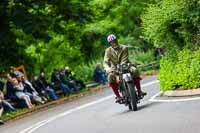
(21, 113)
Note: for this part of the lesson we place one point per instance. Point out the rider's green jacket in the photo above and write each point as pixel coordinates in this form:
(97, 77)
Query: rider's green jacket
(112, 57)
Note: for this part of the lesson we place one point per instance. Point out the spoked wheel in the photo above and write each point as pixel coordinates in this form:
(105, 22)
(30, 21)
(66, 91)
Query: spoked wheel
(133, 97)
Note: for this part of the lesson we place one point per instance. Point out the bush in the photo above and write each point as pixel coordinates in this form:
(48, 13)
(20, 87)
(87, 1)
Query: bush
(141, 57)
(172, 22)
(86, 71)
(181, 72)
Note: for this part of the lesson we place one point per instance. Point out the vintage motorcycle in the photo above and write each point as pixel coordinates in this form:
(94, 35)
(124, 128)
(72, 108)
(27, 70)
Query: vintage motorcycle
(127, 89)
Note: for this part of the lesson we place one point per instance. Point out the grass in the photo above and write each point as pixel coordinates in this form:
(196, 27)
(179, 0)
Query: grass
(11, 115)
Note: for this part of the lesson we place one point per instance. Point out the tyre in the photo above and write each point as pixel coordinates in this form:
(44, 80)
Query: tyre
(132, 96)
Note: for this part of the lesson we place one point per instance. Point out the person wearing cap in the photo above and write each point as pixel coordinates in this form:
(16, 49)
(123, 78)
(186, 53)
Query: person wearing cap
(118, 54)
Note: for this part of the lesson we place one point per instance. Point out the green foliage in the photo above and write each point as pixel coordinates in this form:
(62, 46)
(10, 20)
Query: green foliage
(121, 18)
(11, 115)
(172, 22)
(51, 34)
(42, 34)
(141, 57)
(182, 72)
(86, 71)
(174, 25)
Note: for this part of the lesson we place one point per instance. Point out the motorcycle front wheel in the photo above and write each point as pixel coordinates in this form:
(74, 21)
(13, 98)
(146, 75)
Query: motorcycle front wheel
(132, 96)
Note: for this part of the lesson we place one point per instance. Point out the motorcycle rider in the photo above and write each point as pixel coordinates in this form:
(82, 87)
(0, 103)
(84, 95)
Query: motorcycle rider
(118, 54)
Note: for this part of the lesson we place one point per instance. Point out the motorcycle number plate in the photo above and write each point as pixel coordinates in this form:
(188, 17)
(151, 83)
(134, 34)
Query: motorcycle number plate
(127, 77)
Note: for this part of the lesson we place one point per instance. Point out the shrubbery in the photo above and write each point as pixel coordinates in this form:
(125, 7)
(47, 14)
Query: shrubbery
(86, 71)
(174, 25)
(141, 57)
(181, 71)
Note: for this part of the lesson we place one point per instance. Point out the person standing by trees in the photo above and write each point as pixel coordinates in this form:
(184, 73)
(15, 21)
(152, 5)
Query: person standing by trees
(118, 54)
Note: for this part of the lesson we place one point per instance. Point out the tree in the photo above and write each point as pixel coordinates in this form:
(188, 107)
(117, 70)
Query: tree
(174, 25)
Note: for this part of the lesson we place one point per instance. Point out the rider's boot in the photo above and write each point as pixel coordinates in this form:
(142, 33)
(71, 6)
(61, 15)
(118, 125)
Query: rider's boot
(141, 94)
(115, 89)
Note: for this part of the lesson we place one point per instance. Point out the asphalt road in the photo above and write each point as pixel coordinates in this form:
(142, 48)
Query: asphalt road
(99, 113)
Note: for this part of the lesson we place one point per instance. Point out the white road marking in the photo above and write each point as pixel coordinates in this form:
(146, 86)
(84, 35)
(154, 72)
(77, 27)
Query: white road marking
(153, 99)
(29, 128)
(154, 96)
(39, 124)
(150, 83)
(34, 127)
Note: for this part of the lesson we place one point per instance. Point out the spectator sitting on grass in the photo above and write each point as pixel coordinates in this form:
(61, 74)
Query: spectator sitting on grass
(73, 78)
(28, 88)
(1, 112)
(1, 104)
(48, 88)
(67, 81)
(99, 74)
(10, 92)
(57, 83)
(41, 91)
(20, 93)
(45, 86)
(7, 107)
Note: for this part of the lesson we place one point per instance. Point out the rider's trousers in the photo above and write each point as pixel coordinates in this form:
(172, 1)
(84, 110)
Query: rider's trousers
(115, 85)
(115, 88)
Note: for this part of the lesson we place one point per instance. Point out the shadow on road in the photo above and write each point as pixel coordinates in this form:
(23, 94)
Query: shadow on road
(141, 107)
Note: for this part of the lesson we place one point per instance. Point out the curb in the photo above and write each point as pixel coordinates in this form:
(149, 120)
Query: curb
(55, 103)
(60, 101)
(181, 93)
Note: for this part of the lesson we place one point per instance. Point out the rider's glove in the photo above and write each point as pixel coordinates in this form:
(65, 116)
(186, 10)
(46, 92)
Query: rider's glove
(108, 70)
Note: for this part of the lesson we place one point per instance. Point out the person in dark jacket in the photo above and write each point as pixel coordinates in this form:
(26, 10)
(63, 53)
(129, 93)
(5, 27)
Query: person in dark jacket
(40, 90)
(71, 77)
(46, 86)
(99, 74)
(70, 83)
(5, 105)
(57, 83)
